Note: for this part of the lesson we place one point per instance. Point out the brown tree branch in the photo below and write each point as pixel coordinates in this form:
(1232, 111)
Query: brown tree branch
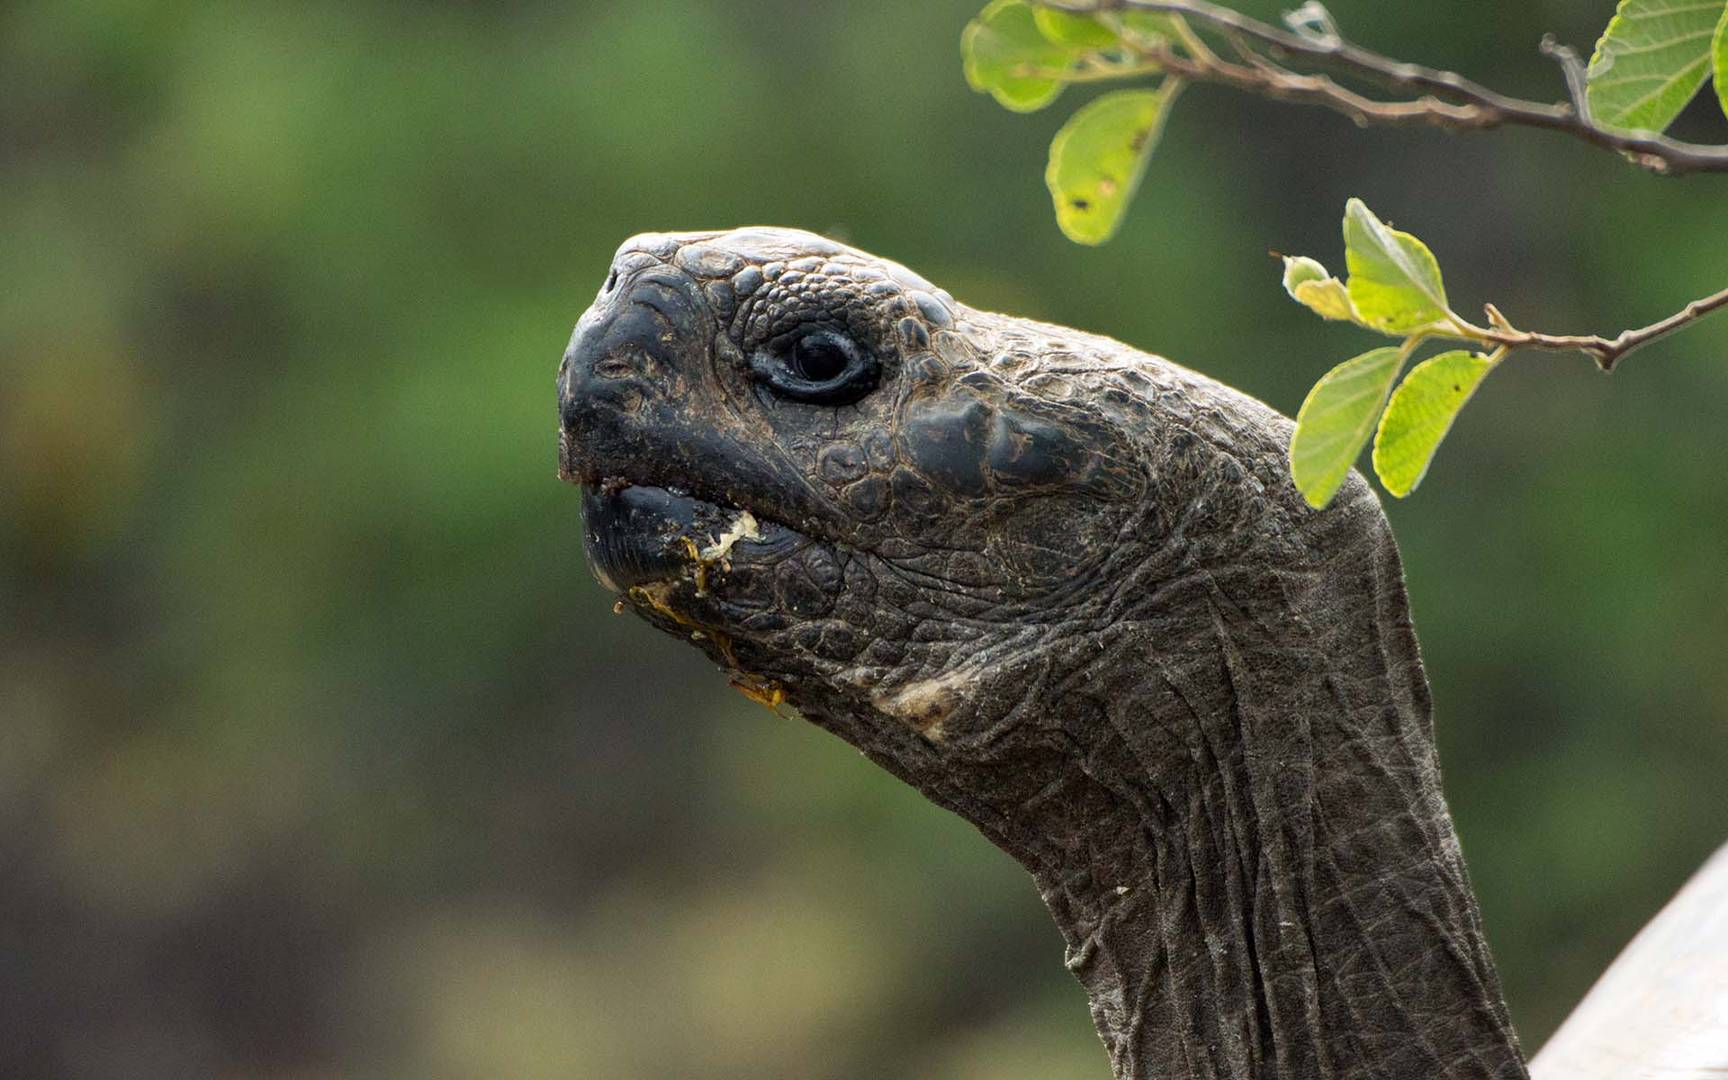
(1605, 351)
(1447, 100)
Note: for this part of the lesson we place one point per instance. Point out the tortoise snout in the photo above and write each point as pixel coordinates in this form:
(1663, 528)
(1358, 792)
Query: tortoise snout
(632, 350)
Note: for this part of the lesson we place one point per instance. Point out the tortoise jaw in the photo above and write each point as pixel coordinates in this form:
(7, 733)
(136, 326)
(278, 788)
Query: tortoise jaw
(637, 534)
(641, 534)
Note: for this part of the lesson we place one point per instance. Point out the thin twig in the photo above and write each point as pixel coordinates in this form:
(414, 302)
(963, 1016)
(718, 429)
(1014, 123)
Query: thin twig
(1605, 351)
(1447, 100)
(1576, 74)
(1269, 80)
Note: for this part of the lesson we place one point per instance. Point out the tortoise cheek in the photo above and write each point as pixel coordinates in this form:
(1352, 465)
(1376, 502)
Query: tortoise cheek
(1027, 451)
(946, 442)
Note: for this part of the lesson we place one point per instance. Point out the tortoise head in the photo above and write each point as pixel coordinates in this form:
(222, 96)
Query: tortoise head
(861, 496)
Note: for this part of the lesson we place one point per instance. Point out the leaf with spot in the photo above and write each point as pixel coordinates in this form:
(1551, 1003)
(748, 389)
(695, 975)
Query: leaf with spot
(1394, 279)
(1098, 158)
(1651, 60)
(1007, 56)
(1337, 419)
(1420, 414)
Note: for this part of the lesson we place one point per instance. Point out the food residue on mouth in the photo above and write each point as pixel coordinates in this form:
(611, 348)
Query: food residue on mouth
(656, 597)
(701, 564)
(744, 527)
(762, 691)
(758, 688)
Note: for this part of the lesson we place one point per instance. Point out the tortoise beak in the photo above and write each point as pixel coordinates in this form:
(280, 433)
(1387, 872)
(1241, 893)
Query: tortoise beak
(641, 534)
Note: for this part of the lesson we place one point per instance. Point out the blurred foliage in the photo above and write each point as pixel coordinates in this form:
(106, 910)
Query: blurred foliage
(323, 755)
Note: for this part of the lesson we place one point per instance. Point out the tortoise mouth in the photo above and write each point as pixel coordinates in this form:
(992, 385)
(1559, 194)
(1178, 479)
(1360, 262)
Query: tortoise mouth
(638, 534)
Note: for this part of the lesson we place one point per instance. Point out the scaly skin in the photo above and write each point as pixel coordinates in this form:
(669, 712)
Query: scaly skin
(1066, 590)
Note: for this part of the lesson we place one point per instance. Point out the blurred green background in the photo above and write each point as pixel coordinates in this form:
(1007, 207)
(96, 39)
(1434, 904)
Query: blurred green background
(321, 754)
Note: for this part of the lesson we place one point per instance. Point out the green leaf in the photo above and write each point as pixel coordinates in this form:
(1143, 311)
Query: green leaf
(1300, 269)
(1309, 284)
(1719, 48)
(1098, 158)
(1421, 413)
(1337, 419)
(1006, 56)
(1651, 60)
(1075, 30)
(1394, 279)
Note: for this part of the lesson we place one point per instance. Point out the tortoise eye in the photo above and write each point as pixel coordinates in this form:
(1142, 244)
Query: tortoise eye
(820, 358)
(823, 367)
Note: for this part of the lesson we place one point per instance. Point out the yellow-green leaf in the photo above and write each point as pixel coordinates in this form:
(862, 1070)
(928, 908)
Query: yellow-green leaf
(1719, 47)
(1147, 27)
(1074, 29)
(1394, 278)
(1421, 413)
(1337, 419)
(1309, 284)
(1650, 61)
(1098, 158)
(1006, 56)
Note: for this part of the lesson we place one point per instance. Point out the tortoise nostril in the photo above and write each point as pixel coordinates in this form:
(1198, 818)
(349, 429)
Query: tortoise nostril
(615, 367)
(611, 280)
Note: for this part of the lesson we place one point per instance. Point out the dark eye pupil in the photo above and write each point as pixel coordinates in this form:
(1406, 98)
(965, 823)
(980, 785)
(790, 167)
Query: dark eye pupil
(819, 360)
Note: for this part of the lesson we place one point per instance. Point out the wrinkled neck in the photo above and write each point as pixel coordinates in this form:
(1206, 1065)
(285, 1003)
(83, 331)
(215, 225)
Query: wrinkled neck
(1228, 796)
(1253, 866)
